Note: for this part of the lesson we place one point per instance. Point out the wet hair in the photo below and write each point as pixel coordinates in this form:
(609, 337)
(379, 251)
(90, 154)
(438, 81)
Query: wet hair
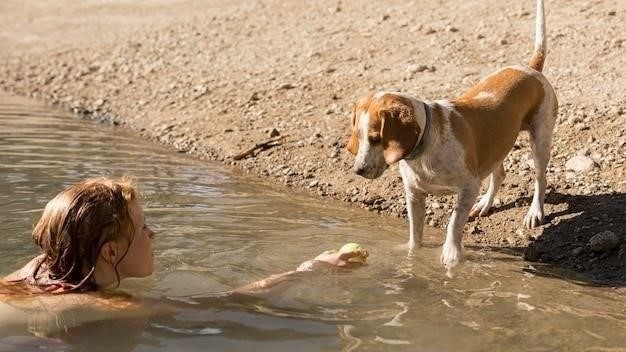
(75, 225)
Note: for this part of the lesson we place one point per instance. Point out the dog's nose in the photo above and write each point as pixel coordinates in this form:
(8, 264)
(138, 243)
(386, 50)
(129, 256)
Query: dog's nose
(359, 170)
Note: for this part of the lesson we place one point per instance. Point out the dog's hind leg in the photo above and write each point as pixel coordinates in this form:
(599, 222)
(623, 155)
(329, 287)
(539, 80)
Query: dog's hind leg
(481, 208)
(540, 142)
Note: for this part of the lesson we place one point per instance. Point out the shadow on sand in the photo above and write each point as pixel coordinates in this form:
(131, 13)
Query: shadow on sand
(563, 250)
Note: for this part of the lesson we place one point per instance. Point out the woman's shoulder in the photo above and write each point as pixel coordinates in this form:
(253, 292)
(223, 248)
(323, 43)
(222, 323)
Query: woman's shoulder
(26, 271)
(16, 283)
(72, 309)
(88, 300)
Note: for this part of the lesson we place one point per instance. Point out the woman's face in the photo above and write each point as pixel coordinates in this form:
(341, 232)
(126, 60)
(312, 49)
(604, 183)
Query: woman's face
(139, 260)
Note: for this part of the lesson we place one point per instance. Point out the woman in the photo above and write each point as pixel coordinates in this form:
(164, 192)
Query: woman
(93, 235)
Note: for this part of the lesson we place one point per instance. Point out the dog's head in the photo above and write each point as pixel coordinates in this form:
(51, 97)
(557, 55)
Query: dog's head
(384, 130)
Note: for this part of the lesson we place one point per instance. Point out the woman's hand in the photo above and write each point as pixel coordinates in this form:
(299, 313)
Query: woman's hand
(338, 259)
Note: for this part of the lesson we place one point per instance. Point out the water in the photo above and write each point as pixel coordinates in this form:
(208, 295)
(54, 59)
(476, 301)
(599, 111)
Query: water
(217, 230)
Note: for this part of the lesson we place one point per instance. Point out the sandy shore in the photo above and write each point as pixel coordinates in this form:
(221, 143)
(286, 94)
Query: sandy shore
(213, 79)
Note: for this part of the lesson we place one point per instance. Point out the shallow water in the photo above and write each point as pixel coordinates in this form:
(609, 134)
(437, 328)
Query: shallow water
(217, 230)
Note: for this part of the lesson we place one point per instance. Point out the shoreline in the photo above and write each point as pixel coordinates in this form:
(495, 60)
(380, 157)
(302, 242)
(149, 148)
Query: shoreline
(214, 80)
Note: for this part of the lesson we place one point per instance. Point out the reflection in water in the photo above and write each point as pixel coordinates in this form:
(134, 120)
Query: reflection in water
(216, 231)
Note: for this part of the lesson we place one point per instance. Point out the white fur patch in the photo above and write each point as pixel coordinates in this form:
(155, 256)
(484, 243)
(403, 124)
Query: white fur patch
(369, 158)
(448, 107)
(379, 95)
(484, 96)
(364, 146)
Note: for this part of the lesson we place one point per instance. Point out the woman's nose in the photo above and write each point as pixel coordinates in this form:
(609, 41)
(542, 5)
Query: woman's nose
(151, 234)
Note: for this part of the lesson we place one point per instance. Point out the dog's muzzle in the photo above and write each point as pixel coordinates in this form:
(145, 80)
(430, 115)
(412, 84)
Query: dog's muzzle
(368, 172)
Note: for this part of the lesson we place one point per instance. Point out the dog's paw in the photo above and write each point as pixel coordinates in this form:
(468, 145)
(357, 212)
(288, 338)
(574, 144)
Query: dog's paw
(413, 245)
(481, 208)
(534, 217)
(450, 255)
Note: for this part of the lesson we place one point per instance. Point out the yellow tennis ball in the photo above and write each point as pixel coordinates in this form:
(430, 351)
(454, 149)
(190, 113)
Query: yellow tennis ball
(350, 247)
(353, 247)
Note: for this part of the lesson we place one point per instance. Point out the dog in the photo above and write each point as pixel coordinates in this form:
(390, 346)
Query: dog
(450, 146)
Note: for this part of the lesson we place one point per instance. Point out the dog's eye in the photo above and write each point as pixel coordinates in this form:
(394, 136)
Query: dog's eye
(374, 138)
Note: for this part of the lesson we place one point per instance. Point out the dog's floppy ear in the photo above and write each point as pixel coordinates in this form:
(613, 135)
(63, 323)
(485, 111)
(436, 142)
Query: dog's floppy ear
(399, 132)
(353, 141)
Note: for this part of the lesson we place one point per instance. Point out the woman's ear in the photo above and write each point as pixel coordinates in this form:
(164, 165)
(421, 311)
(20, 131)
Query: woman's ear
(109, 252)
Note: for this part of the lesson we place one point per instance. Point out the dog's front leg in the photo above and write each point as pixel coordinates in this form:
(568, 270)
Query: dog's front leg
(415, 205)
(451, 254)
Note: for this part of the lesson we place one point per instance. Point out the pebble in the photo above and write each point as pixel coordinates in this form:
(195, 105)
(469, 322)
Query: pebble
(603, 241)
(413, 68)
(580, 163)
(576, 251)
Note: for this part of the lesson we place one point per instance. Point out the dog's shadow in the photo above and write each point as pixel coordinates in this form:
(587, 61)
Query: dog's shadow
(563, 247)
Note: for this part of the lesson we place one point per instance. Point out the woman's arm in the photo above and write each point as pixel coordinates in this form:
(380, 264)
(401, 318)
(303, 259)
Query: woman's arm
(325, 260)
(271, 284)
(267, 284)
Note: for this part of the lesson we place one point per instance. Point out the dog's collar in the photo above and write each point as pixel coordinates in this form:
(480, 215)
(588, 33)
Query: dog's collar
(419, 146)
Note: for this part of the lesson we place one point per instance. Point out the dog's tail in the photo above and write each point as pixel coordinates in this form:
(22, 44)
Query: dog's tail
(539, 56)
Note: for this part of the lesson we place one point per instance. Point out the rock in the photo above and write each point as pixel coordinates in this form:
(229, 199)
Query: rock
(373, 199)
(603, 241)
(529, 163)
(576, 251)
(531, 254)
(254, 97)
(274, 133)
(583, 152)
(413, 68)
(581, 126)
(580, 163)
(574, 119)
(475, 230)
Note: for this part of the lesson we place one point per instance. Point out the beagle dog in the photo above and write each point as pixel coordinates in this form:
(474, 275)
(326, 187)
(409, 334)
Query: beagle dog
(450, 146)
